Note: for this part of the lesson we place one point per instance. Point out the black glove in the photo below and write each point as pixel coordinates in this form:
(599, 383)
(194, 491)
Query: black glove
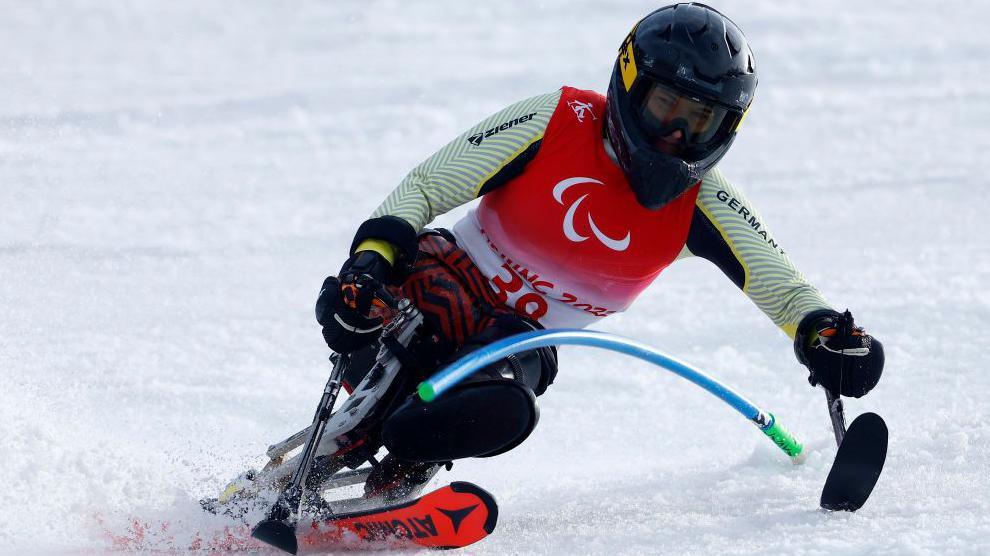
(345, 301)
(839, 355)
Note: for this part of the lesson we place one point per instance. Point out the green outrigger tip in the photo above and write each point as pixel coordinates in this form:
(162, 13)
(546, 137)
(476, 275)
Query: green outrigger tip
(783, 439)
(426, 392)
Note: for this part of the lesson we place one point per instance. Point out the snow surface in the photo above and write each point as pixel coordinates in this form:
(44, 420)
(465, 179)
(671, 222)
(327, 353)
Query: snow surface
(177, 178)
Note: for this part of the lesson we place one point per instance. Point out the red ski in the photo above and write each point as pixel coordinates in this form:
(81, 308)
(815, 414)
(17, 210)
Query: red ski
(454, 516)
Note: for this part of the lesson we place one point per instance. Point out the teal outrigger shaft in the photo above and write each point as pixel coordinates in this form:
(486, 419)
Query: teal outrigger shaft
(448, 377)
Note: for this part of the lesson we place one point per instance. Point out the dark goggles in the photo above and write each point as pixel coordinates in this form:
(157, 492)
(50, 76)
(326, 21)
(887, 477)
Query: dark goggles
(682, 125)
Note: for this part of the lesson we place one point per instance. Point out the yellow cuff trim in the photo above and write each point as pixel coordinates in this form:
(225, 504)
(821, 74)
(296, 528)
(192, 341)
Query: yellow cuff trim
(379, 246)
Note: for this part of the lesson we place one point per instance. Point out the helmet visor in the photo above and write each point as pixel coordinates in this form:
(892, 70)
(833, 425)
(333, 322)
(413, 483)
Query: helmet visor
(681, 125)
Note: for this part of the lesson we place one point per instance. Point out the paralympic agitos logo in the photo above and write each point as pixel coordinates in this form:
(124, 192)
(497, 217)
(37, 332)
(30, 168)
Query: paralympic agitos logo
(570, 232)
(477, 138)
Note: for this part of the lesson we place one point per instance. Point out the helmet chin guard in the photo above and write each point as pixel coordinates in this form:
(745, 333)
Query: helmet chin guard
(656, 178)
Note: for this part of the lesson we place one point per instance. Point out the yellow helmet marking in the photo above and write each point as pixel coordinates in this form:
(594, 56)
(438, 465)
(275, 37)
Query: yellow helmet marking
(627, 62)
(745, 113)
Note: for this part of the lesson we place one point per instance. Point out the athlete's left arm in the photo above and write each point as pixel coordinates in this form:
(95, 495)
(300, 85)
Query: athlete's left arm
(727, 230)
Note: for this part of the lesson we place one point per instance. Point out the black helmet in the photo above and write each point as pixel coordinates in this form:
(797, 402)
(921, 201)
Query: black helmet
(681, 85)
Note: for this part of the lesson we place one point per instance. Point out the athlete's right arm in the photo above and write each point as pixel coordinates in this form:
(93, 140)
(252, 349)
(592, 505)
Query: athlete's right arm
(385, 246)
(481, 159)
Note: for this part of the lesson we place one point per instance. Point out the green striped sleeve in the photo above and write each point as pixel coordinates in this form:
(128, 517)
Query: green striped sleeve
(740, 244)
(455, 174)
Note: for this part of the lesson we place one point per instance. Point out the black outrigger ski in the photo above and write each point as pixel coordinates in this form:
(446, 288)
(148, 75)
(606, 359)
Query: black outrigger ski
(859, 460)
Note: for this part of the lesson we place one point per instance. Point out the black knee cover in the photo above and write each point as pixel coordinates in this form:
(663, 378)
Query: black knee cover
(478, 419)
(491, 412)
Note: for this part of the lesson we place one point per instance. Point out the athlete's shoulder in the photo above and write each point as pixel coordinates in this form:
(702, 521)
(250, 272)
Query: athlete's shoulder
(714, 178)
(578, 106)
(715, 188)
(727, 205)
(573, 93)
(582, 100)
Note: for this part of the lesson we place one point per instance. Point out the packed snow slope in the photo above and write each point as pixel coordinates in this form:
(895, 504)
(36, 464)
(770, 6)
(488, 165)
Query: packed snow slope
(176, 179)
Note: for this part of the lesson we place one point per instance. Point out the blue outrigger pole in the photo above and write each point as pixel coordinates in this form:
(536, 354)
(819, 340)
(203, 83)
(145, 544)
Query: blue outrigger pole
(448, 377)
